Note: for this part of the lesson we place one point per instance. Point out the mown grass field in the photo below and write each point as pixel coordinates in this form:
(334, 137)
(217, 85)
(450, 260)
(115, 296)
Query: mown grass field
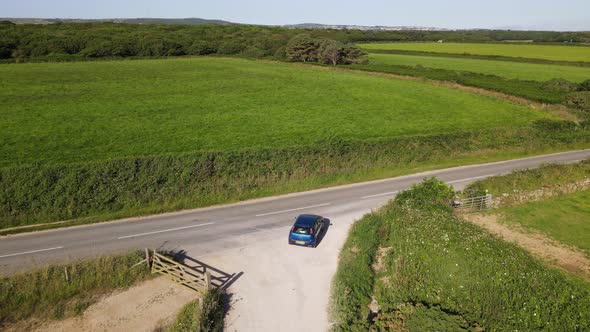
(506, 69)
(565, 218)
(546, 52)
(68, 112)
(428, 270)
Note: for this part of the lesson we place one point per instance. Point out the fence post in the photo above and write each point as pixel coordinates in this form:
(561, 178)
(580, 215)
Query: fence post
(207, 280)
(147, 258)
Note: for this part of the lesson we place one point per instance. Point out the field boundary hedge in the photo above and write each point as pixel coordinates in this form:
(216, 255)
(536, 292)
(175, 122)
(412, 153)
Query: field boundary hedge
(94, 191)
(483, 57)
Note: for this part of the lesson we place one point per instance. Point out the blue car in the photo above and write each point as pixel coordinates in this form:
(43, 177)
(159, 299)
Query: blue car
(307, 229)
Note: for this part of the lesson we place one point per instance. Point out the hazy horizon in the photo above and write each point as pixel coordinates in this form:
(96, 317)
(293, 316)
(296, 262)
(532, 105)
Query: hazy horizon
(570, 15)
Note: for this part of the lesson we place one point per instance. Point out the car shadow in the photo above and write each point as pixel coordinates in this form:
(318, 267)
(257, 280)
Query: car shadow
(323, 233)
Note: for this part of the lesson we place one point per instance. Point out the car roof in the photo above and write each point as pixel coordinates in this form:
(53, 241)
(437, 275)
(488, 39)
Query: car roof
(306, 220)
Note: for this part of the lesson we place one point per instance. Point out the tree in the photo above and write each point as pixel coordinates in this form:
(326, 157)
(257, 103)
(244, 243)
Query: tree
(353, 55)
(330, 51)
(302, 48)
(201, 47)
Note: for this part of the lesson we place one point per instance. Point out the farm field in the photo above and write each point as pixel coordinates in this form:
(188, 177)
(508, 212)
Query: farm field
(546, 52)
(564, 218)
(70, 112)
(506, 69)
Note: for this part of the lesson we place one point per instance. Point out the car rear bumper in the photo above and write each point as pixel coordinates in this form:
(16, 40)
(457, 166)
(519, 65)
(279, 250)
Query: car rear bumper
(301, 243)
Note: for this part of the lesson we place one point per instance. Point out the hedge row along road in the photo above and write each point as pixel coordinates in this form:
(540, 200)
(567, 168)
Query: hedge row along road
(251, 237)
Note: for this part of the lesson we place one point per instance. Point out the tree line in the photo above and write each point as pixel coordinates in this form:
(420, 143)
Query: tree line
(97, 40)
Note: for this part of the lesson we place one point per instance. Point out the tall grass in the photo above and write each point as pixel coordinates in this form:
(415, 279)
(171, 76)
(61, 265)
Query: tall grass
(205, 317)
(444, 272)
(47, 294)
(100, 190)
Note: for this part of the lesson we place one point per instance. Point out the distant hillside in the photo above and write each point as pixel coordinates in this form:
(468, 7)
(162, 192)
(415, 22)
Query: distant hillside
(188, 21)
(360, 27)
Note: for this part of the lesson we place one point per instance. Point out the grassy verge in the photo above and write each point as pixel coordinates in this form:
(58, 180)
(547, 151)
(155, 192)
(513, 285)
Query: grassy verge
(565, 218)
(194, 317)
(446, 274)
(46, 294)
(96, 191)
(353, 282)
(531, 179)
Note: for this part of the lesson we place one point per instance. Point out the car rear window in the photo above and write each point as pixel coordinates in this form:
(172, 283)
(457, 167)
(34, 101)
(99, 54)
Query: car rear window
(301, 230)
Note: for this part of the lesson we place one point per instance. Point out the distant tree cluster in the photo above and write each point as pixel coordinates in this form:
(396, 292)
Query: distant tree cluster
(97, 40)
(305, 48)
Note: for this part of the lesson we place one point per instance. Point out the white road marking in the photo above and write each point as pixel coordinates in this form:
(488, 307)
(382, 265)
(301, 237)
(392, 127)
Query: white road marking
(383, 194)
(30, 252)
(473, 178)
(296, 209)
(164, 231)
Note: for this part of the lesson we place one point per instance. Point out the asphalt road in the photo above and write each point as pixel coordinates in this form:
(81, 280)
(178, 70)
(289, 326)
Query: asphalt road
(215, 229)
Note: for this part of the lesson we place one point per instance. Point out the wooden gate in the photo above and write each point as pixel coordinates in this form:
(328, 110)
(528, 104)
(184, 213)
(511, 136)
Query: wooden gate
(199, 281)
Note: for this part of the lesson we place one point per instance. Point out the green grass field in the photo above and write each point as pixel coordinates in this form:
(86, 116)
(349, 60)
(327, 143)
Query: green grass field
(507, 69)
(564, 218)
(70, 112)
(546, 52)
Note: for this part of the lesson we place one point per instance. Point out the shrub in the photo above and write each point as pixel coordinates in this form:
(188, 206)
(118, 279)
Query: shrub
(584, 86)
(201, 47)
(431, 192)
(208, 317)
(560, 84)
(580, 100)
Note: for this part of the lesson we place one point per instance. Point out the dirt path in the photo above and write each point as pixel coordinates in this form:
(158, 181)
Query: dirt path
(140, 308)
(550, 250)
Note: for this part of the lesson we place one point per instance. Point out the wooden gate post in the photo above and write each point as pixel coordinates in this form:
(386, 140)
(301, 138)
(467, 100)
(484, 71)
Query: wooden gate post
(208, 280)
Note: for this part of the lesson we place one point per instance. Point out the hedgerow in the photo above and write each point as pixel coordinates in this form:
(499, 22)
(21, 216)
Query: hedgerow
(123, 187)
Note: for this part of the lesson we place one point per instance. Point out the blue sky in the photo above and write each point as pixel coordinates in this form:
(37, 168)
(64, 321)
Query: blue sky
(526, 14)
